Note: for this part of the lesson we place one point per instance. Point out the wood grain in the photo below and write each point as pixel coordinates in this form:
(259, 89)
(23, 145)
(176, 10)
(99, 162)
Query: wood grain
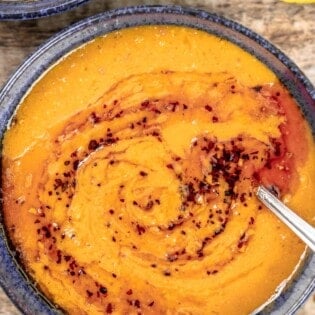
(290, 27)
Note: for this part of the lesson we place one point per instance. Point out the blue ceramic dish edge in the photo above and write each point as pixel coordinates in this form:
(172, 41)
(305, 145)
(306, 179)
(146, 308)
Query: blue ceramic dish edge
(35, 9)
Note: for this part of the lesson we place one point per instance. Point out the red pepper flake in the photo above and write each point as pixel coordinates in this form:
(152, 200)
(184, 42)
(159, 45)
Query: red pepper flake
(215, 119)
(109, 308)
(66, 162)
(151, 304)
(89, 293)
(153, 265)
(75, 165)
(149, 205)
(93, 145)
(170, 166)
(95, 119)
(257, 88)
(140, 229)
(137, 303)
(103, 290)
(142, 173)
(129, 292)
(212, 272)
(145, 103)
(167, 273)
(208, 108)
(111, 211)
(114, 275)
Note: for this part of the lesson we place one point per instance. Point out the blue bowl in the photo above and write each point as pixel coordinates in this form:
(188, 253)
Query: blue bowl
(13, 279)
(25, 10)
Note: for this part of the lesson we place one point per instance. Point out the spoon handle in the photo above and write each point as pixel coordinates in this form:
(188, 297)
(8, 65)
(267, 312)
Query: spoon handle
(300, 227)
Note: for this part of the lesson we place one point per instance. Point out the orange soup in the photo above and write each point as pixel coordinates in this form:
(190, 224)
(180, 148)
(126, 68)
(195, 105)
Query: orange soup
(130, 169)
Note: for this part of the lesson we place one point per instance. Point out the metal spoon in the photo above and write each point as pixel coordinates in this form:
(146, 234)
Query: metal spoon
(300, 227)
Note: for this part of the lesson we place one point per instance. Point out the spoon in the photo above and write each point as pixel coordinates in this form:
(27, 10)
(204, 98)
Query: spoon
(300, 227)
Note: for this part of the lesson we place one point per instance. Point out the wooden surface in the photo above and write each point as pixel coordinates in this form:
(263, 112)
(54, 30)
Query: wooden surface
(288, 26)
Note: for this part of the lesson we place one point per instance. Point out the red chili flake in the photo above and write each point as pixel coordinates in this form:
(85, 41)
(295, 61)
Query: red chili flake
(75, 164)
(153, 265)
(66, 162)
(185, 107)
(151, 304)
(111, 211)
(129, 292)
(95, 119)
(103, 290)
(215, 119)
(46, 231)
(170, 166)
(137, 303)
(167, 273)
(208, 108)
(109, 308)
(46, 267)
(257, 88)
(142, 173)
(93, 145)
(149, 205)
(183, 232)
(114, 239)
(145, 103)
(114, 275)
(240, 245)
(67, 257)
(140, 229)
(251, 220)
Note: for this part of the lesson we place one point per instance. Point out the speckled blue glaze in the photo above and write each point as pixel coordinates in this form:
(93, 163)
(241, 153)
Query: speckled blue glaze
(13, 280)
(22, 10)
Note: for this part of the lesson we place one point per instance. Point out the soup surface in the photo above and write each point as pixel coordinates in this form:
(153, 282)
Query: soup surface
(129, 176)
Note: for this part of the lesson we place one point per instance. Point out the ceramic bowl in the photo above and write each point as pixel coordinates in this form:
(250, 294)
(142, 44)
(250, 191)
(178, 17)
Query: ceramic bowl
(32, 9)
(12, 278)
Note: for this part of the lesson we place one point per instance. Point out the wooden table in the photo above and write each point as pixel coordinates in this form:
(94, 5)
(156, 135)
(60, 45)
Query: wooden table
(288, 26)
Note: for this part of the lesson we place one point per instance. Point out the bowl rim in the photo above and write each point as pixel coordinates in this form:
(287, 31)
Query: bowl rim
(85, 30)
(26, 10)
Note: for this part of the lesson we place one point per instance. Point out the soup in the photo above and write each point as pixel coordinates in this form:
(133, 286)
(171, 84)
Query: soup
(130, 169)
